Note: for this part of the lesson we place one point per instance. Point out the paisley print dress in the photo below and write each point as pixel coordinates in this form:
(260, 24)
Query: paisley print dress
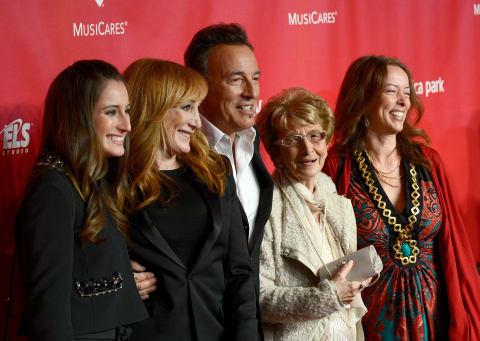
(408, 302)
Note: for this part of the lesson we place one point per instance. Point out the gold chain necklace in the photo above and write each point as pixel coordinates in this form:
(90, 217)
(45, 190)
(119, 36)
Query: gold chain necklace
(385, 174)
(405, 247)
(381, 178)
(378, 170)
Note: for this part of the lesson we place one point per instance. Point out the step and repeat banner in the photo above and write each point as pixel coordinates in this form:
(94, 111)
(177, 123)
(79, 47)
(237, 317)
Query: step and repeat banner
(307, 43)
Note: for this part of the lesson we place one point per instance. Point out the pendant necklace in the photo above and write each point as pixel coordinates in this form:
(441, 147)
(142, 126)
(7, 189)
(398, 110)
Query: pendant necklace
(406, 247)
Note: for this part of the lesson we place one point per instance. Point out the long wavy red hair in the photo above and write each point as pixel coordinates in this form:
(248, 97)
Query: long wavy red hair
(155, 86)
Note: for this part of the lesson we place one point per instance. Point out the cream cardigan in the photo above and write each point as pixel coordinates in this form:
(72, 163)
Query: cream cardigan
(295, 304)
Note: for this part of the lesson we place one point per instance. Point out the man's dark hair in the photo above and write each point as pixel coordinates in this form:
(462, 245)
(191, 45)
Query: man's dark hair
(196, 55)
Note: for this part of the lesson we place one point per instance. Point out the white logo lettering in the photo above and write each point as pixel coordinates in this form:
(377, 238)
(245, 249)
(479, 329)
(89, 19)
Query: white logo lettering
(419, 88)
(99, 3)
(77, 30)
(430, 87)
(99, 29)
(312, 18)
(16, 137)
(476, 9)
(259, 106)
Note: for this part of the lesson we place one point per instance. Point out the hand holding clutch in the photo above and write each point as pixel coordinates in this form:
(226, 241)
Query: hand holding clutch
(366, 264)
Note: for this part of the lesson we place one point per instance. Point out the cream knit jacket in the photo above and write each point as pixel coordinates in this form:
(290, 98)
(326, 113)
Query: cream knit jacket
(295, 304)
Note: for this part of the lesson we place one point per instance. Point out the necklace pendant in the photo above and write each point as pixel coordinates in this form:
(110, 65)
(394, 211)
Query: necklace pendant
(406, 250)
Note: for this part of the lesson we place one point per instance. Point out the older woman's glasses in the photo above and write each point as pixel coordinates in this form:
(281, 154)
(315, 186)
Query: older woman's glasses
(295, 140)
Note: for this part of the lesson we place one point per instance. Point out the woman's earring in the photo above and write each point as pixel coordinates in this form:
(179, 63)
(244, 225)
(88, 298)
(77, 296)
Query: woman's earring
(367, 122)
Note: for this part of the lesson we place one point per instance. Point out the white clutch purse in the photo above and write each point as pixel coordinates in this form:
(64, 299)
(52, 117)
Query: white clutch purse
(366, 263)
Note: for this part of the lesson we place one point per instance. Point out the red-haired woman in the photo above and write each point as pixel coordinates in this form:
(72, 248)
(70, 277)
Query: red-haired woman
(186, 225)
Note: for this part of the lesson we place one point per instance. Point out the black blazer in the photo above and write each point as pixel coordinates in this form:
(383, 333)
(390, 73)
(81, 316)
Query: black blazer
(59, 277)
(264, 208)
(216, 298)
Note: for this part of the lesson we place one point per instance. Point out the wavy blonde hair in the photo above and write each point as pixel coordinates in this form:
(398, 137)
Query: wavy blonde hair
(155, 86)
(292, 106)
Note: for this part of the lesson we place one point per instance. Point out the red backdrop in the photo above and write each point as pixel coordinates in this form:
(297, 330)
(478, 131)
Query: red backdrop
(308, 43)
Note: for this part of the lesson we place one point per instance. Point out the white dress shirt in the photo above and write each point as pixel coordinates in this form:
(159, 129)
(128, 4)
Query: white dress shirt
(248, 189)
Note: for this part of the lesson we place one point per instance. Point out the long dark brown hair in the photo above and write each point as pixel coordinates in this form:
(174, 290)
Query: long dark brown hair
(69, 134)
(360, 93)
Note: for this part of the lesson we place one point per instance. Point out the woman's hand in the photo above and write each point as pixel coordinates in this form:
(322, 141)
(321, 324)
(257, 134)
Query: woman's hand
(347, 290)
(145, 280)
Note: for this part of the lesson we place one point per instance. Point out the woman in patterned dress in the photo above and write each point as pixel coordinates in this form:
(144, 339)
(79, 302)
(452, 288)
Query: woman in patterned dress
(429, 288)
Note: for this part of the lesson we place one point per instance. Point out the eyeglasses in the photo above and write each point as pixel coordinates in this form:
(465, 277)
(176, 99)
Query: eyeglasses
(295, 140)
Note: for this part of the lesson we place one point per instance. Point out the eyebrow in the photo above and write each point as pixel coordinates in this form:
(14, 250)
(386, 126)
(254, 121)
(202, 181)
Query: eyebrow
(113, 106)
(313, 130)
(395, 85)
(190, 101)
(241, 73)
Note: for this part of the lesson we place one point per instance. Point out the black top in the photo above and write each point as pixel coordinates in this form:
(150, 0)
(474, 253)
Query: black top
(214, 299)
(184, 230)
(69, 289)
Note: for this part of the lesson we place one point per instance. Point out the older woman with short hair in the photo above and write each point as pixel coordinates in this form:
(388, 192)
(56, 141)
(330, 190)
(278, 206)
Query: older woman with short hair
(310, 225)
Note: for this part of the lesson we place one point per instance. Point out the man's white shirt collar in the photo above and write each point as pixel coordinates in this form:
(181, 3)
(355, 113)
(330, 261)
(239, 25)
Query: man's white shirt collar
(214, 135)
(248, 188)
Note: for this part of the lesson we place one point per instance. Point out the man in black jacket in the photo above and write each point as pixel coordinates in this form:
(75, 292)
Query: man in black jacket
(224, 56)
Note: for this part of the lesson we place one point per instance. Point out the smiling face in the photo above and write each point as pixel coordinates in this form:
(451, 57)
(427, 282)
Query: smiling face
(180, 123)
(233, 77)
(306, 160)
(111, 115)
(389, 115)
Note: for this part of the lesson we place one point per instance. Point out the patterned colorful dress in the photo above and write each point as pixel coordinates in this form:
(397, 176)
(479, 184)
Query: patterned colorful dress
(409, 301)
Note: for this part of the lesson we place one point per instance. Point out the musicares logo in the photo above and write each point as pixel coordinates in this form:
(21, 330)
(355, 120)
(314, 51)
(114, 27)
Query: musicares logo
(99, 28)
(312, 18)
